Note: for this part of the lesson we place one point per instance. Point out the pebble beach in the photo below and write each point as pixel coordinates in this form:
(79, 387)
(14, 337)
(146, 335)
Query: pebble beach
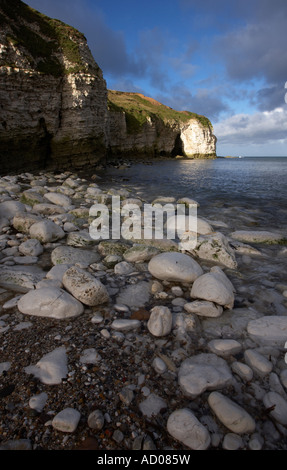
(137, 344)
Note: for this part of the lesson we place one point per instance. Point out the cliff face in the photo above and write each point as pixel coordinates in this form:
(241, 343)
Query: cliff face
(56, 112)
(141, 125)
(53, 98)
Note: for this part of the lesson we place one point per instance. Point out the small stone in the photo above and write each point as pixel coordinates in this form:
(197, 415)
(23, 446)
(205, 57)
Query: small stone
(215, 247)
(47, 209)
(90, 356)
(50, 302)
(8, 209)
(183, 426)
(25, 259)
(126, 395)
(156, 287)
(31, 247)
(203, 308)
(134, 296)
(160, 321)
(51, 368)
(57, 272)
(232, 441)
(148, 444)
(71, 255)
(277, 406)
(177, 291)
(214, 287)
(118, 436)
(96, 420)
(243, 370)
(46, 231)
(97, 318)
(58, 199)
(23, 221)
(159, 365)
(258, 362)
(111, 261)
(152, 405)
(79, 238)
(203, 372)
(251, 236)
(66, 420)
(125, 325)
(12, 302)
(224, 347)
(124, 268)
(256, 442)
(105, 333)
(140, 314)
(84, 287)
(37, 402)
(233, 416)
(69, 227)
(140, 253)
(21, 280)
(172, 266)
(269, 329)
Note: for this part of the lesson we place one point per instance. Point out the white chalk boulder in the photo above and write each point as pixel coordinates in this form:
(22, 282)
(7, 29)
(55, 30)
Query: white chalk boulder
(85, 287)
(50, 302)
(214, 287)
(183, 426)
(172, 266)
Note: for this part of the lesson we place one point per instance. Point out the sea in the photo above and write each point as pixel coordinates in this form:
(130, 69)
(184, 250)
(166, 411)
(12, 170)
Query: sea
(255, 185)
(233, 194)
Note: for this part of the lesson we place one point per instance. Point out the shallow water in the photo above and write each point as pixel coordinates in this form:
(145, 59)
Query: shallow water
(257, 185)
(233, 194)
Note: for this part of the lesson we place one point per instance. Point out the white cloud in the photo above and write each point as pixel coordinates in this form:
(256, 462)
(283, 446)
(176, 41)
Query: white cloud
(265, 127)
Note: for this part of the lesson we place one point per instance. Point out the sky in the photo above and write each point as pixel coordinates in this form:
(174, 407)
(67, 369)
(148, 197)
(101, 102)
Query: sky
(225, 59)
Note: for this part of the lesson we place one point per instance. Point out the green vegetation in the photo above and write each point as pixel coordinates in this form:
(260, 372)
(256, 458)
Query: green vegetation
(42, 38)
(138, 108)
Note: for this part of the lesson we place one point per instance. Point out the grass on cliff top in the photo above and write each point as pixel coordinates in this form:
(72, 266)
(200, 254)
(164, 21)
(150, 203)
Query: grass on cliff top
(42, 38)
(138, 107)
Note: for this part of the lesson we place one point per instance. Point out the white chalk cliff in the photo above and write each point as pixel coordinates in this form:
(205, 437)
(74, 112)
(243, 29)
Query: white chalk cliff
(55, 111)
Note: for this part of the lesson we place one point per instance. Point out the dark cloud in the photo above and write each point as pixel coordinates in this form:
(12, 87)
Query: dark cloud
(205, 101)
(107, 46)
(250, 43)
(257, 50)
(271, 97)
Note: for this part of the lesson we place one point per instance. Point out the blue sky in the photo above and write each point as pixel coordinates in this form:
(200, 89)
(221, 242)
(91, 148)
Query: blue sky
(221, 58)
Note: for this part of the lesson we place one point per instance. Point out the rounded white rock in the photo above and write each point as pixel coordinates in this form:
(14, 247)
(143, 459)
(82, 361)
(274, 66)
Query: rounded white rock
(224, 347)
(202, 372)
(269, 329)
(232, 415)
(258, 363)
(46, 231)
(172, 266)
(183, 426)
(214, 288)
(160, 321)
(50, 302)
(203, 308)
(125, 324)
(85, 287)
(66, 420)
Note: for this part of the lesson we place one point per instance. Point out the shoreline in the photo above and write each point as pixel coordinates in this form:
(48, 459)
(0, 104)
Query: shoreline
(131, 382)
